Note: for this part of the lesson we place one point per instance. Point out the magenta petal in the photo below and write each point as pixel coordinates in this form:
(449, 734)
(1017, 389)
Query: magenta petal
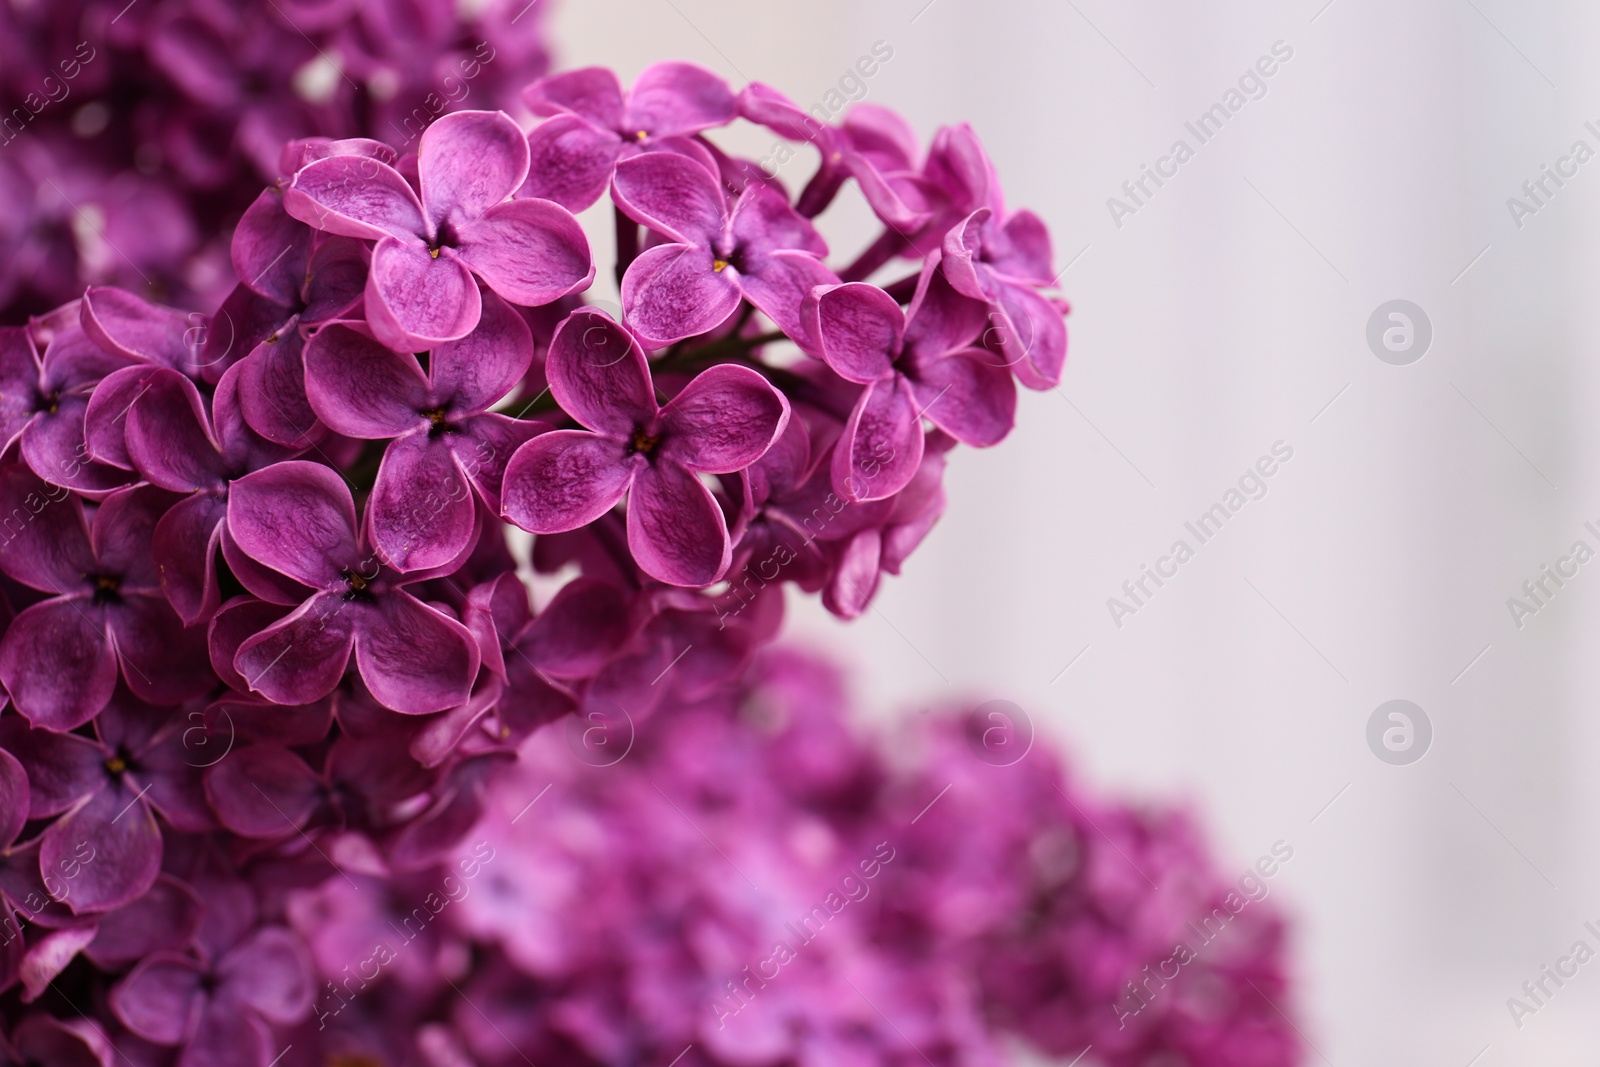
(598, 374)
(763, 221)
(160, 921)
(238, 620)
(968, 396)
(260, 580)
(355, 196)
(167, 436)
(414, 659)
(361, 388)
(121, 835)
(571, 161)
(160, 659)
(46, 542)
(47, 957)
(272, 390)
(469, 161)
(302, 657)
(122, 323)
(160, 1000)
(857, 328)
(1033, 340)
(55, 446)
(416, 299)
(42, 1039)
(855, 576)
(563, 480)
(484, 448)
(672, 195)
(675, 291)
(675, 528)
(105, 420)
(723, 421)
(778, 283)
(62, 768)
(592, 92)
(271, 974)
(475, 372)
(229, 1037)
(270, 249)
(678, 98)
(185, 551)
(263, 791)
(297, 518)
(421, 512)
(579, 630)
(57, 664)
(881, 445)
(14, 798)
(529, 251)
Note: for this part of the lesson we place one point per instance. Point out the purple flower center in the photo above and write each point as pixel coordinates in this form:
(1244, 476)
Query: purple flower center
(116, 765)
(643, 442)
(47, 403)
(438, 426)
(105, 589)
(358, 586)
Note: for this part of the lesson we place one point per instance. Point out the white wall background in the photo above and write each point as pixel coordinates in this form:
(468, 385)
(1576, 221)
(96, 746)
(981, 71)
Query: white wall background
(1223, 316)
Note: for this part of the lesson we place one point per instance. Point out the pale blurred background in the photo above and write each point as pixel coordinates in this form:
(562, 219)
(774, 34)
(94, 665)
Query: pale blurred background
(1230, 312)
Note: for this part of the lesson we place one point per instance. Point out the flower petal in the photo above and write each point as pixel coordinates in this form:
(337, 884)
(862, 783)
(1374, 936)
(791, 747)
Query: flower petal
(579, 630)
(968, 396)
(161, 661)
(124, 844)
(55, 446)
(162, 920)
(599, 375)
(302, 657)
(674, 291)
(675, 528)
(57, 664)
(14, 798)
(270, 249)
(529, 251)
(185, 552)
(44, 537)
(474, 373)
(881, 445)
(272, 391)
(467, 162)
(764, 222)
(678, 98)
(161, 998)
(563, 480)
(135, 329)
(416, 660)
(263, 791)
(671, 194)
(778, 283)
(270, 972)
(485, 446)
(858, 329)
(361, 388)
(1033, 339)
(168, 436)
(416, 298)
(571, 161)
(297, 518)
(723, 421)
(590, 92)
(355, 196)
(421, 513)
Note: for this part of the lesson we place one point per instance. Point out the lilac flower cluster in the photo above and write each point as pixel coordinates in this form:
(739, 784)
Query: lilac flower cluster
(757, 883)
(132, 135)
(263, 622)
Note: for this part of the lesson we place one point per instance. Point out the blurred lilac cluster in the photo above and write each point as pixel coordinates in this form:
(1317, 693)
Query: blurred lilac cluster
(133, 134)
(751, 880)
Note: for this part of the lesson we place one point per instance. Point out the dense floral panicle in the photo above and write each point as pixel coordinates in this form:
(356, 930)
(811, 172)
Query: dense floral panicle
(266, 644)
(134, 138)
